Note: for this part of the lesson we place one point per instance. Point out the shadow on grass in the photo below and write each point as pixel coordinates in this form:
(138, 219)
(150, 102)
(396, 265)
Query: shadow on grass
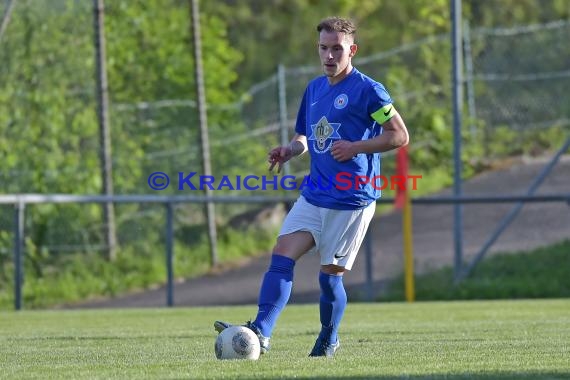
(461, 376)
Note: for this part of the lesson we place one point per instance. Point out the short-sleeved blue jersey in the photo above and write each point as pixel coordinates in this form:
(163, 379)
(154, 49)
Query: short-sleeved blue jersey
(341, 112)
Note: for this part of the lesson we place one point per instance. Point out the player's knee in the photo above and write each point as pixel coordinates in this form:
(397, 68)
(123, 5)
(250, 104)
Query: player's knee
(294, 245)
(282, 249)
(333, 269)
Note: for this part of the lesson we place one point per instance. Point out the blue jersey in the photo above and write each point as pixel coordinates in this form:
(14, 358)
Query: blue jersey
(349, 111)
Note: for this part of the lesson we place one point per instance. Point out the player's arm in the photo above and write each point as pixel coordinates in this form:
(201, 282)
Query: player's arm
(278, 156)
(298, 144)
(394, 135)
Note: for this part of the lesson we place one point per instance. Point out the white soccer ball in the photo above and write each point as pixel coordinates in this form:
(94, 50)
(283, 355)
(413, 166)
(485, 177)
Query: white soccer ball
(237, 342)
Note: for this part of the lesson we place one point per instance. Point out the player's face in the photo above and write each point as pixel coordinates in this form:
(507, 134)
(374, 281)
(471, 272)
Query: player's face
(336, 51)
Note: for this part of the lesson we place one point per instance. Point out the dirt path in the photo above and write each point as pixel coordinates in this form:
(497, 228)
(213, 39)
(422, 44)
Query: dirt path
(537, 224)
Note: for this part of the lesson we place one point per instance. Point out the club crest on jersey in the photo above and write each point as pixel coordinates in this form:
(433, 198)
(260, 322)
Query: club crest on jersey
(341, 101)
(323, 133)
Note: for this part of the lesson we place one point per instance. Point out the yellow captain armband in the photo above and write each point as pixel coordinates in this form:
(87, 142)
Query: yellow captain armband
(384, 114)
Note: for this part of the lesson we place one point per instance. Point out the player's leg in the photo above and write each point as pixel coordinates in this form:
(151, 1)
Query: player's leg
(277, 282)
(332, 304)
(342, 236)
(299, 234)
(300, 231)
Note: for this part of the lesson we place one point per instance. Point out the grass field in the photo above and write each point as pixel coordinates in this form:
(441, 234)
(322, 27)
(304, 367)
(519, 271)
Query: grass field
(425, 340)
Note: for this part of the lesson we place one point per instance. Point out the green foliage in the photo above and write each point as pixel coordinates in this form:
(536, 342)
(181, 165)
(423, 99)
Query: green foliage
(45, 110)
(507, 142)
(506, 13)
(293, 24)
(49, 135)
(506, 276)
(51, 280)
(151, 60)
(48, 123)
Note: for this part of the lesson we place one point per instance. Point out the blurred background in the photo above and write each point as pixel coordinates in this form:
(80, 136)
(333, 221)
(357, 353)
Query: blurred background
(258, 56)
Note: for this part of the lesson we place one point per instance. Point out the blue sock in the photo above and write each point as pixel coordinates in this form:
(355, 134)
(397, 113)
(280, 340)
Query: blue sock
(274, 293)
(332, 305)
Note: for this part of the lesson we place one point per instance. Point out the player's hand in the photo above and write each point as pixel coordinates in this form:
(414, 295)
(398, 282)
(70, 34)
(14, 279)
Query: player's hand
(278, 156)
(343, 150)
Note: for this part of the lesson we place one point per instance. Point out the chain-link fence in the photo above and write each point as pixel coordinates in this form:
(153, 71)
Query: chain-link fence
(516, 82)
(517, 79)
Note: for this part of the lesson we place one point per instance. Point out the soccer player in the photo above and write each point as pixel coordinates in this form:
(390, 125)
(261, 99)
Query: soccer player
(345, 120)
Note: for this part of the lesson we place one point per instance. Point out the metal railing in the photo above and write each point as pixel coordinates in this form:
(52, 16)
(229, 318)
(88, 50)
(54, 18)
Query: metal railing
(20, 201)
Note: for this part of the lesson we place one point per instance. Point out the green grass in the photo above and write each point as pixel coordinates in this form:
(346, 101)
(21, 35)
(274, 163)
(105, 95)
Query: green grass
(540, 273)
(524, 339)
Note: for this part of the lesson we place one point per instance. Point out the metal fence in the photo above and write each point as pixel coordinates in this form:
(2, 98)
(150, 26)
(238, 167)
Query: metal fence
(21, 202)
(511, 93)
